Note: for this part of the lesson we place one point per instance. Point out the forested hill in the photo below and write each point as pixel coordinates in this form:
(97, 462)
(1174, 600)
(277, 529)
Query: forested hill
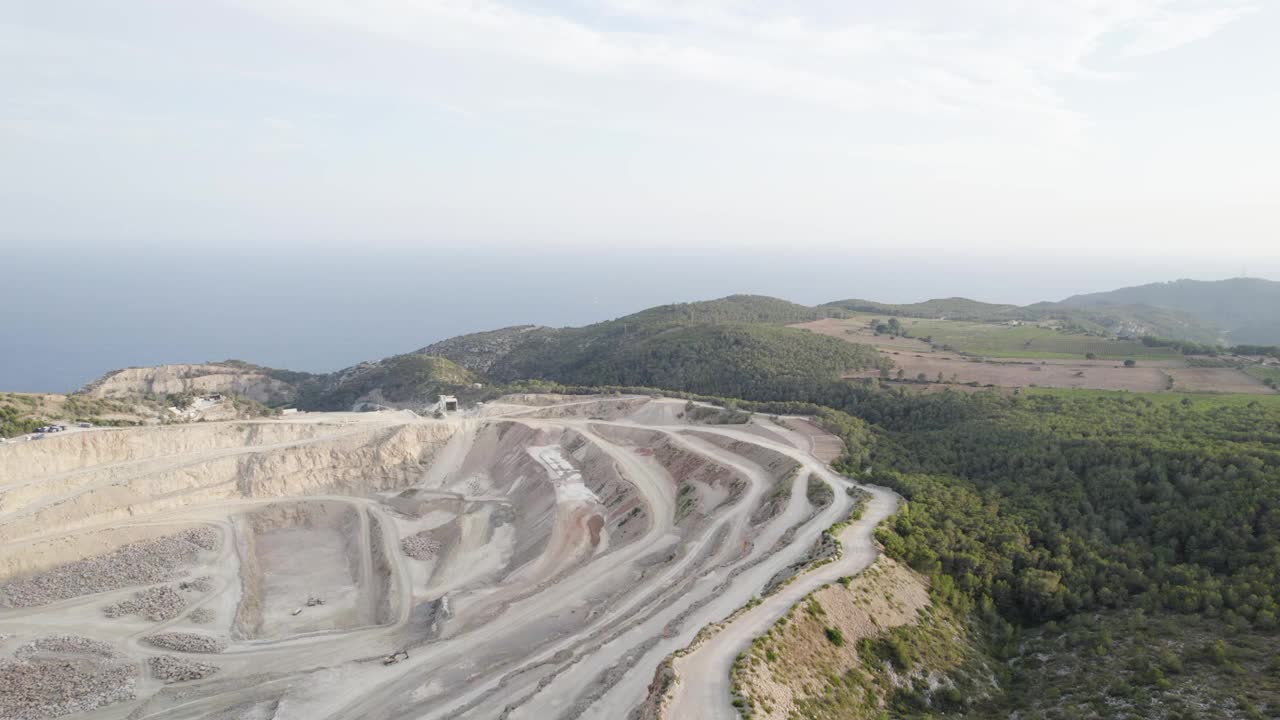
(732, 309)
(727, 346)
(1248, 309)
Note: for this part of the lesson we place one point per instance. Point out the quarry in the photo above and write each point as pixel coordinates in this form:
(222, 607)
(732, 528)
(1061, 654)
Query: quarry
(539, 556)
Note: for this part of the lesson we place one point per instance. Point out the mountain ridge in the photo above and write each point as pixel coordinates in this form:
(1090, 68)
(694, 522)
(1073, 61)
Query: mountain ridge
(1246, 309)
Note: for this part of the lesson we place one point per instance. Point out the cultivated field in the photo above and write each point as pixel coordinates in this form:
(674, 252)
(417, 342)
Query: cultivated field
(538, 559)
(991, 339)
(955, 369)
(987, 354)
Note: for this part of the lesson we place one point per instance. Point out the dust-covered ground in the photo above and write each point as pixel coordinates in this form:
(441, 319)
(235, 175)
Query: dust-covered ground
(536, 559)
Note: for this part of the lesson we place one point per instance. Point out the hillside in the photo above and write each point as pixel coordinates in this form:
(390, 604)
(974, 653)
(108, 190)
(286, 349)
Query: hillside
(479, 351)
(719, 346)
(411, 380)
(21, 413)
(726, 346)
(860, 648)
(736, 345)
(714, 359)
(956, 308)
(231, 377)
(731, 309)
(1247, 309)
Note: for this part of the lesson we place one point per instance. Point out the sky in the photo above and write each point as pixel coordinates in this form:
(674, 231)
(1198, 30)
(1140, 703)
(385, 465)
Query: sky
(475, 163)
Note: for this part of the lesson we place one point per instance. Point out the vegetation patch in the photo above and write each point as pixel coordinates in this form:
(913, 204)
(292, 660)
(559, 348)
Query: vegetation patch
(1134, 665)
(871, 646)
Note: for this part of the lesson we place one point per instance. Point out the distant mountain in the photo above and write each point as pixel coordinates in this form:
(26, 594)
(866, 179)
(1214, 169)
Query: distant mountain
(1246, 309)
(956, 308)
(733, 346)
(724, 346)
(1122, 320)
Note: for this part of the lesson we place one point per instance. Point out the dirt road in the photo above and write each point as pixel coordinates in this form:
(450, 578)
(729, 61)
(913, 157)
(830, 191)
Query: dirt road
(702, 688)
(567, 546)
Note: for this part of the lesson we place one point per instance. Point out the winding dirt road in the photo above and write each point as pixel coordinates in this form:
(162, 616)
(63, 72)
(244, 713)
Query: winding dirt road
(575, 544)
(702, 685)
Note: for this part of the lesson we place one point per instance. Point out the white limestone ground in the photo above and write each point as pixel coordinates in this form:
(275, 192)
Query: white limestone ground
(537, 561)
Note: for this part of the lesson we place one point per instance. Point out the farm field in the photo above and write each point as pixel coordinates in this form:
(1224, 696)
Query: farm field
(859, 331)
(990, 339)
(1265, 373)
(1222, 380)
(956, 369)
(1147, 376)
(988, 354)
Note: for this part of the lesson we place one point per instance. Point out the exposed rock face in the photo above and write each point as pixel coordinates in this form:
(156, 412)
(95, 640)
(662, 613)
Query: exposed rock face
(247, 381)
(220, 462)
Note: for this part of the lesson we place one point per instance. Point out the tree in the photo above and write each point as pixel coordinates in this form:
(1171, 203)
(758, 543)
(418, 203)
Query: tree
(1130, 362)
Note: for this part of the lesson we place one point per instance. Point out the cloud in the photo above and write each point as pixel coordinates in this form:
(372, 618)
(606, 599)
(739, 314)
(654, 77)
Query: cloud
(990, 63)
(1172, 30)
(697, 116)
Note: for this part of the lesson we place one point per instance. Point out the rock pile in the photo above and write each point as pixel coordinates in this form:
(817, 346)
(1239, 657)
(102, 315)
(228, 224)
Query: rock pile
(202, 584)
(187, 642)
(201, 616)
(171, 668)
(155, 604)
(421, 546)
(140, 563)
(66, 644)
(62, 674)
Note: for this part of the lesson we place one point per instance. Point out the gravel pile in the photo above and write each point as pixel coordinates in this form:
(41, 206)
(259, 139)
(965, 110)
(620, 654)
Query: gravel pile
(202, 584)
(201, 616)
(187, 642)
(420, 546)
(155, 604)
(141, 563)
(171, 668)
(67, 644)
(48, 688)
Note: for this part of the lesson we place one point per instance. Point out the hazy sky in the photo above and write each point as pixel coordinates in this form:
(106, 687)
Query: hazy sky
(991, 126)
(310, 183)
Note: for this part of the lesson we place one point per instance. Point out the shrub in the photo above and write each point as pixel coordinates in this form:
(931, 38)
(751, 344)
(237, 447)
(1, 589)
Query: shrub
(835, 636)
